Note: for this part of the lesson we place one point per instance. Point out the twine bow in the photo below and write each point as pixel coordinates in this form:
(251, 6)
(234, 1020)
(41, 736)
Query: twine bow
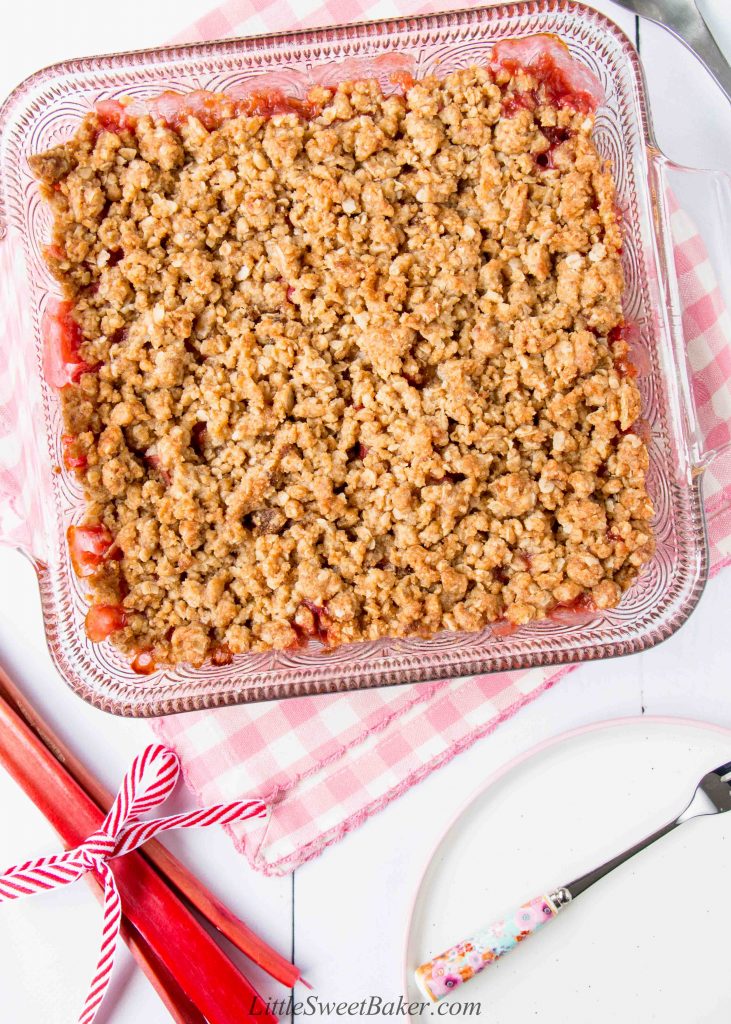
(148, 783)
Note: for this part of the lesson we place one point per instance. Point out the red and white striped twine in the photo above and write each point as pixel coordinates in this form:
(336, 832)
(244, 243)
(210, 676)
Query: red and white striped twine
(146, 785)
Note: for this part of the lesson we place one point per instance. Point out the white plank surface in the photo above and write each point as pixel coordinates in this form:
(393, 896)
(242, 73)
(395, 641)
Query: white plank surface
(346, 911)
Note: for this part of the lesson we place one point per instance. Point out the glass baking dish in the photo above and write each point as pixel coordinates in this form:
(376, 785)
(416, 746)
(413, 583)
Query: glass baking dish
(39, 502)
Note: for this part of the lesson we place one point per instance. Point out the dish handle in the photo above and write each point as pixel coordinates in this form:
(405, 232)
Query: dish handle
(23, 486)
(696, 208)
(440, 976)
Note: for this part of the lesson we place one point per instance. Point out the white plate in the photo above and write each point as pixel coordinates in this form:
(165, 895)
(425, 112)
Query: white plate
(657, 926)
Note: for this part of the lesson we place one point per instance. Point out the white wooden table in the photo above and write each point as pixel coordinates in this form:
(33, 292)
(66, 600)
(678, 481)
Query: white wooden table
(343, 915)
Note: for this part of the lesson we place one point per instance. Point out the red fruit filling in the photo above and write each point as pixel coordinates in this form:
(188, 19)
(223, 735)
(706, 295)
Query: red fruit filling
(104, 619)
(62, 340)
(563, 81)
(143, 663)
(72, 458)
(113, 117)
(221, 655)
(516, 101)
(210, 108)
(573, 613)
(319, 629)
(153, 461)
(403, 80)
(503, 627)
(198, 435)
(89, 546)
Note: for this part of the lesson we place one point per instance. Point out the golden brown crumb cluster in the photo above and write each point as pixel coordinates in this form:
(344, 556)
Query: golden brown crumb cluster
(354, 373)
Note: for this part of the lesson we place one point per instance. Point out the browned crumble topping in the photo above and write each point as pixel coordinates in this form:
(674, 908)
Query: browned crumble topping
(354, 373)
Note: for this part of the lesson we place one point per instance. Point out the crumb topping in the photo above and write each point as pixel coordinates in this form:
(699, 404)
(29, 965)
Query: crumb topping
(349, 376)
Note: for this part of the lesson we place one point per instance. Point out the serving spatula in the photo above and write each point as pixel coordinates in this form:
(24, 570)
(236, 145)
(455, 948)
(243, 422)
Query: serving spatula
(684, 20)
(463, 961)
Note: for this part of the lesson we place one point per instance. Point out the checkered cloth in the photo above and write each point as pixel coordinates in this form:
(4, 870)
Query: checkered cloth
(327, 763)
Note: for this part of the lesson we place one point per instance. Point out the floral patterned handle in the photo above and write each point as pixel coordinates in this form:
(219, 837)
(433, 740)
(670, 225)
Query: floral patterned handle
(463, 961)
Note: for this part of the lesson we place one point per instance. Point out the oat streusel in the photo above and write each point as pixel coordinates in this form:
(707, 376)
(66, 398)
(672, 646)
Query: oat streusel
(352, 376)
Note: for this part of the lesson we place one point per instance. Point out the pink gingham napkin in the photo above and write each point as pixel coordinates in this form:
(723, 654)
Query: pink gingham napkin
(327, 763)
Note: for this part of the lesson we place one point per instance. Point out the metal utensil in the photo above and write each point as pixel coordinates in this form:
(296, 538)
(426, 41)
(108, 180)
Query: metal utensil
(683, 19)
(452, 968)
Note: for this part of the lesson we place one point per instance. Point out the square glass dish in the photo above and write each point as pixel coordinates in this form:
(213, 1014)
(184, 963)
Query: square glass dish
(37, 503)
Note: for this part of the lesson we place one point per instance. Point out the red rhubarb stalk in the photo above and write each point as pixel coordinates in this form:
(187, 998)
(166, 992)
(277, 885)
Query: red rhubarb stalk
(203, 971)
(175, 1001)
(238, 933)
